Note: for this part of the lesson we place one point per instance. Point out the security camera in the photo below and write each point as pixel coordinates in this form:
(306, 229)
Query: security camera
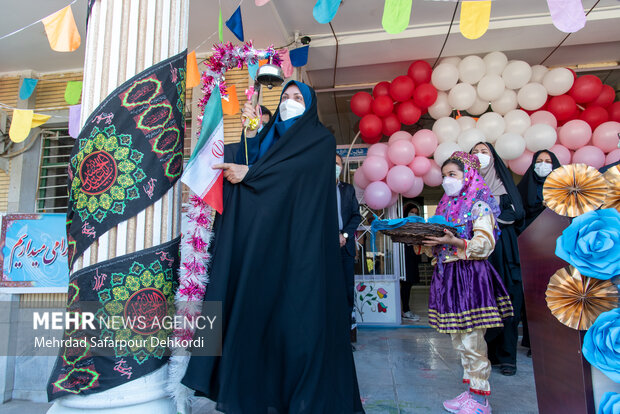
(305, 40)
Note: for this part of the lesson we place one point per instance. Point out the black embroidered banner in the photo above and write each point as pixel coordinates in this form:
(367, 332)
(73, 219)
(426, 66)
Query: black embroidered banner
(129, 153)
(131, 298)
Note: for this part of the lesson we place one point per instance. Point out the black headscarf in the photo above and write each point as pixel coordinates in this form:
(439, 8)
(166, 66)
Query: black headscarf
(530, 187)
(505, 176)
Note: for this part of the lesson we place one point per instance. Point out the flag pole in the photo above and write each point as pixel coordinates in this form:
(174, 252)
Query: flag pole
(254, 123)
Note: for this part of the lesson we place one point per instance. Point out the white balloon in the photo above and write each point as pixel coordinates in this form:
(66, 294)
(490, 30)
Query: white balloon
(517, 74)
(492, 126)
(538, 73)
(452, 60)
(462, 96)
(445, 76)
(466, 122)
(558, 81)
(510, 146)
(479, 107)
(506, 103)
(471, 69)
(446, 129)
(517, 121)
(495, 63)
(444, 151)
(441, 107)
(532, 96)
(467, 139)
(539, 137)
(490, 87)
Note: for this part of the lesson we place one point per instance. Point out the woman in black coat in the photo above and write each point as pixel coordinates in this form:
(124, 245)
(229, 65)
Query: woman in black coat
(502, 342)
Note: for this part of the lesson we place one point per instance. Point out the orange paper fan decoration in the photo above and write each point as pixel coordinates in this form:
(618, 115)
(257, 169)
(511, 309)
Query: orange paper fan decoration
(612, 176)
(576, 300)
(574, 189)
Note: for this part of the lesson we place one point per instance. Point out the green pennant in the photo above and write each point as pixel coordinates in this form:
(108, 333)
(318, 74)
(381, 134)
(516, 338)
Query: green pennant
(220, 26)
(73, 92)
(396, 14)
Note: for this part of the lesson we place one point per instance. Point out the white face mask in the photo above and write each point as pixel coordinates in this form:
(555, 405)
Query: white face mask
(338, 171)
(452, 186)
(543, 169)
(290, 109)
(484, 159)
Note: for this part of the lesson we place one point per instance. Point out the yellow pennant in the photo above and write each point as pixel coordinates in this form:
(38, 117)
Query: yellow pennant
(475, 17)
(62, 31)
(193, 73)
(23, 121)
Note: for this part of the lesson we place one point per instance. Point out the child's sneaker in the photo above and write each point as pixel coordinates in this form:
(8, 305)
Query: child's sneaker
(472, 406)
(455, 404)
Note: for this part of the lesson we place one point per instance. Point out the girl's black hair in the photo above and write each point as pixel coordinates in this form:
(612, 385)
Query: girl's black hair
(454, 161)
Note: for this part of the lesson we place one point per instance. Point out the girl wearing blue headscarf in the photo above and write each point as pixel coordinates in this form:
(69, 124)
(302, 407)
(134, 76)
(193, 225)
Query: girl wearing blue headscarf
(276, 270)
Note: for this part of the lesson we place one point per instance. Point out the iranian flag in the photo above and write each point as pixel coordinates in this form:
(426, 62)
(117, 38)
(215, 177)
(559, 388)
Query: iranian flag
(203, 180)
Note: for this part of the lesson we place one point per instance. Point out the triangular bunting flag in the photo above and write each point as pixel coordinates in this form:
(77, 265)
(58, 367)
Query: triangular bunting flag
(396, 14)
(203, 180)
(325, 10)
(475, 17)
(193, 73)
(286, 65)
(235, 24)
(61, 30)
(230, 106)
(252, 69)
(568, 16)
(23, 121)
(28, 85)
(74, 120)
(73, 92)
(299, 56)
(220, 26)
(261, 2)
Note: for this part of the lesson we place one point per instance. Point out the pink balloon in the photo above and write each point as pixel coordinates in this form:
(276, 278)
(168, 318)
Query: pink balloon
(401, 152)
(564, 155)
(377, 195)
(399, 135)
(521, 164)
(360, 179)
(425, 142)
(590, 155)
(605, 136)
(400, 178)
(433, 178)
(375, 168)
(416, 188)
(379, 150)
(420, 166)
(575, 134)
(613, 156)
(544, 117)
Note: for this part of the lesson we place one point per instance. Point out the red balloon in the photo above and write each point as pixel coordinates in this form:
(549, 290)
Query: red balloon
(606, 97)
(586, 88)
(574, 74)
(594, 116)
(370, 128)
(382, 105)
(408, 113)
(361, 103)
(563, 107)
(391, 124)
(614, 111)
(401, 88)
(381, 89)
(420, 71)
(424, 95)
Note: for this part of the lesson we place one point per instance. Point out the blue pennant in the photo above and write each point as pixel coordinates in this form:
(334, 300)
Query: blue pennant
(27, 88)
(299, 56)
(235, 24)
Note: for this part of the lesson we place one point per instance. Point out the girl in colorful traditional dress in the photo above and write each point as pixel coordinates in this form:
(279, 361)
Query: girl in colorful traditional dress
(467, 295)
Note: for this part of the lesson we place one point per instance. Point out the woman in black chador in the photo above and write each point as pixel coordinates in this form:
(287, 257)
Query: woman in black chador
(502, 342)
(276, 269)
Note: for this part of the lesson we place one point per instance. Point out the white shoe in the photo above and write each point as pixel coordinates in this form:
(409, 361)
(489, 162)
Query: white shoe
(411, 316)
